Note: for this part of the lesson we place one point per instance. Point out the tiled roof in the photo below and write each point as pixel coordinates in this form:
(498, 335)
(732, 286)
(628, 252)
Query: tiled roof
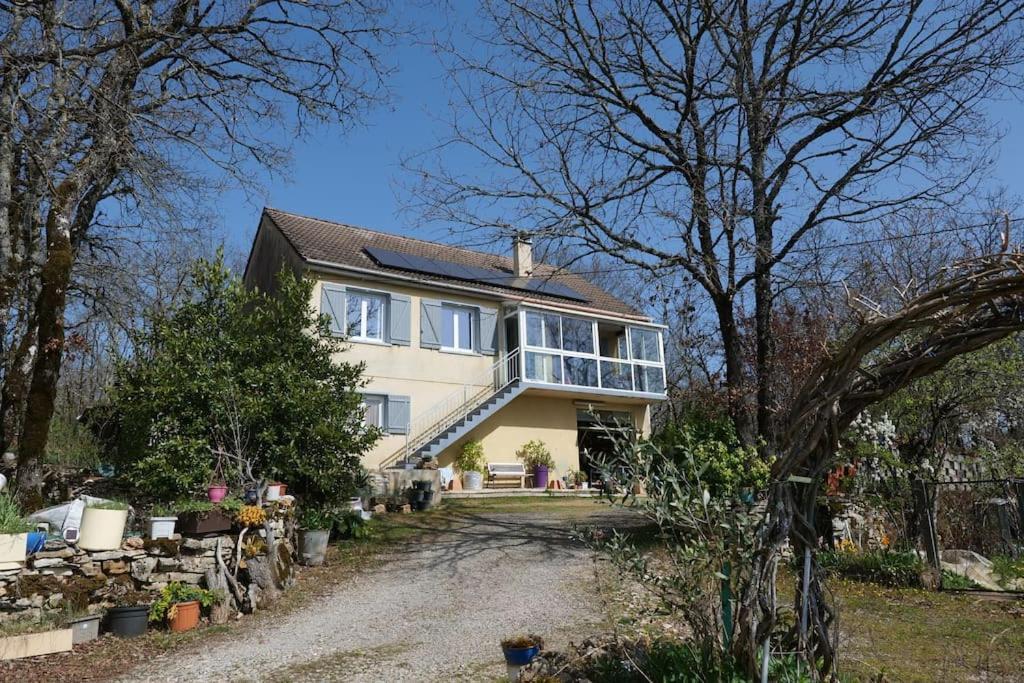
(343, 245)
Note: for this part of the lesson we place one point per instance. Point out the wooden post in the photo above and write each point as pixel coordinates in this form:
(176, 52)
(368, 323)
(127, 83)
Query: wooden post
(926, 513)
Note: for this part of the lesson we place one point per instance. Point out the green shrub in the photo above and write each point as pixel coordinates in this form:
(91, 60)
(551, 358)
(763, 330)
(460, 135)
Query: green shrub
(955, 581)
(681, 662)
(1007, 570)
(471, 458)
(535, 454)
(350, 524)
(253, 373)
(316, 518)
(175, 593)
(887, 568)
(11, 519)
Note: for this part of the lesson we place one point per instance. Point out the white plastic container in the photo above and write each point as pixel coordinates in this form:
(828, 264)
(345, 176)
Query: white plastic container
(273, 492)
(12, 548)
(102, 529)
(161, 527)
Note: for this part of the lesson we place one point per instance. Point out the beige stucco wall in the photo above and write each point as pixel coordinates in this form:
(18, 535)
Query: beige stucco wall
(427, 376)
(551, 419)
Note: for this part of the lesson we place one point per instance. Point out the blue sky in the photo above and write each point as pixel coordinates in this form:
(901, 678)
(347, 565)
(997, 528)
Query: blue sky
(357, 176)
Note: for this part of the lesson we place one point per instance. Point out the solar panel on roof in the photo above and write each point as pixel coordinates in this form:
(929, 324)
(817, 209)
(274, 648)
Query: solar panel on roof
(458, 271)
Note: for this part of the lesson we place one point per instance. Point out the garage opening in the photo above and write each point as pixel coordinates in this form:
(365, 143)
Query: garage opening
(596, 435)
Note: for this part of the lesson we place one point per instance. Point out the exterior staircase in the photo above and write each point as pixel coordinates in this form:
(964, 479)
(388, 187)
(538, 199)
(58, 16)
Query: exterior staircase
(496, 402)
(454, 416)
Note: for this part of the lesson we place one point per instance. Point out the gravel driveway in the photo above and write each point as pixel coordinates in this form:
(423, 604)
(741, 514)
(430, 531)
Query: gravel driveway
(433, 610)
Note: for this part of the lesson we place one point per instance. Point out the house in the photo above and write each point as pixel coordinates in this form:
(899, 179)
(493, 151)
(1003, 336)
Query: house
(462, 345)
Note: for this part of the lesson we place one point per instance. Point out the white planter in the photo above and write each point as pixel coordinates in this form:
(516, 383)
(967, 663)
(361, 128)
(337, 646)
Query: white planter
(584, 486)
(273, 492)
(161, 527)
(102, 529)
(472, 481)
(12, 547)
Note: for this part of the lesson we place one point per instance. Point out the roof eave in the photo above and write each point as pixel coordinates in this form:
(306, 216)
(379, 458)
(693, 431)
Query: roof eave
(318, 264)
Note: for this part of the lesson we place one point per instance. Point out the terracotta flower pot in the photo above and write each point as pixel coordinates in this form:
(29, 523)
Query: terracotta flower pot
(186, 616)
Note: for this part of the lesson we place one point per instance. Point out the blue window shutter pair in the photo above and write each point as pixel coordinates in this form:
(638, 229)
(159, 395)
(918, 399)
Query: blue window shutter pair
(399, 313)
(485, 326)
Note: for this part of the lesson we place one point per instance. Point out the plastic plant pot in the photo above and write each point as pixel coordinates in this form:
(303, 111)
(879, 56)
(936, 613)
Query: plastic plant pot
(102, 529)
(520, 656)
(85, 629)
(313, 546)
(161, 527)
(472, 481)
(186, 616)
(128, 622)
(540, 476)
(273, 492)
(217, 493)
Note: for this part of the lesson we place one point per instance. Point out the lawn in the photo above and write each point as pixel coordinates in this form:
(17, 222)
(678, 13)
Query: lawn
(913, 635)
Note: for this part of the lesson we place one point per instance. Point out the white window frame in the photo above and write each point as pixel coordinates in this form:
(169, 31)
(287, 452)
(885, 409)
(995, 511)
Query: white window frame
(457, 347)
(562, 354)
(381, 414)
(364, 298)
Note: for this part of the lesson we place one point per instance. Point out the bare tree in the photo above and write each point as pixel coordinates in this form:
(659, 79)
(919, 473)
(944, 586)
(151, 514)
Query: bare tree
(717, 140)
(139, 107)
(723, 142)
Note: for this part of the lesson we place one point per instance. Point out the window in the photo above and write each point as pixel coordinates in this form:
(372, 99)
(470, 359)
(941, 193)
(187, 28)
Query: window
(645, 344)
(543, 329)
(543, 367)
(365, 316)
(616, 375)
(581, 371)
(373, 411)
(456, 328)
(577, 335)
(649, 378)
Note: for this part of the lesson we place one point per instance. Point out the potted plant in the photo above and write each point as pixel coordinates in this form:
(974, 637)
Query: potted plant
(250, 515)
(218, 487)
(274, 491)
(201, 517)
(129, 616)
(14, 530)
(179, 604)
(579, 479)
(314, 531)
(521, 650)
(161, 522)
(471, 463)
(536, 456)
(103, 523)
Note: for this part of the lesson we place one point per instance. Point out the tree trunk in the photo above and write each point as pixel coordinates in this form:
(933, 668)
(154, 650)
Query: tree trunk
(55, 277)
(734, 379)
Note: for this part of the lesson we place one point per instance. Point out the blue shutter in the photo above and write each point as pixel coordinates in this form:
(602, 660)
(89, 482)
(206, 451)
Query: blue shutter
(332, 304)
(398, 414)
(399, 319)
(430, 324)
(487, 330)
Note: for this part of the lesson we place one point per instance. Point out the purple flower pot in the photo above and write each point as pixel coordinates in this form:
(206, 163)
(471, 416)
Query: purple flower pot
(540, 476)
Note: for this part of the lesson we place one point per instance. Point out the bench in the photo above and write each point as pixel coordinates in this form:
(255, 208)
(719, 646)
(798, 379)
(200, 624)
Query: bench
(506, 470)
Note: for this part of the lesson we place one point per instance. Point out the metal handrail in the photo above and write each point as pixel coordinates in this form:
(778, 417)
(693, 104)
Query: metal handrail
(449, 410)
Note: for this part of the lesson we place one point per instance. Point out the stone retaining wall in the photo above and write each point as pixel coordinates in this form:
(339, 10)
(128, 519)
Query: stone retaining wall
(63, 576)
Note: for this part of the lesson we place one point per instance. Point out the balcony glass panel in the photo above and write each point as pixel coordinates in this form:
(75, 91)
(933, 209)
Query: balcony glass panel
(649, 378)
(616, 375)
(543, 367)
(645, 344)
(577, 335)
(581, 371)
(543, 329)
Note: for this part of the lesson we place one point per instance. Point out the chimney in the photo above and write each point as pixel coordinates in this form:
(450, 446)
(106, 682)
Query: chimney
(522, 254)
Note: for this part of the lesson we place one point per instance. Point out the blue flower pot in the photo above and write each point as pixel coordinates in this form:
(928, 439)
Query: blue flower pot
(35, 542)
(520, 656)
